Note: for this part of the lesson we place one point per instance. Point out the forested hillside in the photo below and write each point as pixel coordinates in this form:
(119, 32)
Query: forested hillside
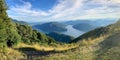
(16, 33)
(60, 37)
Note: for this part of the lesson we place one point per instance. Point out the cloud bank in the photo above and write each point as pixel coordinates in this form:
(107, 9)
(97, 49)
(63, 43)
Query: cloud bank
(67, 10)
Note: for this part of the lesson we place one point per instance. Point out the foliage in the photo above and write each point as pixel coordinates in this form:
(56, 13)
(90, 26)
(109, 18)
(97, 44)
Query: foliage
(17, 33)
(8, 31)
(60, 37)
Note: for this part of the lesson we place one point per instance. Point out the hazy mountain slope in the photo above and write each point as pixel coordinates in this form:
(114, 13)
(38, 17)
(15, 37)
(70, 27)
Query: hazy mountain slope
(51, 27)
(74, 22)
(84, 27)
(93, 34)
(94, 22)
(60, 37)
(110, 29)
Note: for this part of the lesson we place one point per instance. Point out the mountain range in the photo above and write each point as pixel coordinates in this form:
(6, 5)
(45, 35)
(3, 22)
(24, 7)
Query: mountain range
(84, 27)
(51, 27)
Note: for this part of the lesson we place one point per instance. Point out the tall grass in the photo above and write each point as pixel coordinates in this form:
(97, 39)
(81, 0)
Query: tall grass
(10, 54)
(48, 48)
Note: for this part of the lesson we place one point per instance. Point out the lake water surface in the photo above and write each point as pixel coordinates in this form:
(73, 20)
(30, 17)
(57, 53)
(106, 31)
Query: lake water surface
(72, 32)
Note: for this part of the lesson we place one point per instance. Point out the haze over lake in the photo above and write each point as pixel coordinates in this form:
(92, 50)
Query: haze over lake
(73, 32)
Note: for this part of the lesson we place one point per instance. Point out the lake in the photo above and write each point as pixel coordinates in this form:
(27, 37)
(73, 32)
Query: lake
(72, 32)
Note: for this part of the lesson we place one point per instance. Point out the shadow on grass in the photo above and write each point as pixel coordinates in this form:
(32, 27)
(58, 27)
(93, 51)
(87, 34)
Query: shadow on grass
(33, 52)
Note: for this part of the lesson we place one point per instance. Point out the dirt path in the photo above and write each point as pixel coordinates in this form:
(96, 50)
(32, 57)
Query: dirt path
(33, 54)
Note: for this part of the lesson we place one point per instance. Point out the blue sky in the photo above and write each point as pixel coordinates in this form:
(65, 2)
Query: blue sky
(59, 10)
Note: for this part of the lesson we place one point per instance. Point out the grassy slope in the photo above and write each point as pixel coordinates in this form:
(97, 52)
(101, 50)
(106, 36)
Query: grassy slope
(86, 51)
(110, 48)
(107, 49)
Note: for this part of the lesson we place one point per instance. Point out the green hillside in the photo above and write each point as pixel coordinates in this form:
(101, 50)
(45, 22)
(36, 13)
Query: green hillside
(8, 31)
(60, 37)
(14, 32)
(20, 33)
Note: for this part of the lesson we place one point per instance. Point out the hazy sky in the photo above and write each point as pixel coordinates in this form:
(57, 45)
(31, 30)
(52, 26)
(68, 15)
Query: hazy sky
(48, 10)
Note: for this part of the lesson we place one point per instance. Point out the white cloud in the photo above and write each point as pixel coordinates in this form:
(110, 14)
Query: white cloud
(75, 9)
(107, 2)
(68, 10)
(27, 10)
(100, 10)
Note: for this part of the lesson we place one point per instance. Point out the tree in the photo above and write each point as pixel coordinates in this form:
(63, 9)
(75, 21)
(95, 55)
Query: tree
(3, 8)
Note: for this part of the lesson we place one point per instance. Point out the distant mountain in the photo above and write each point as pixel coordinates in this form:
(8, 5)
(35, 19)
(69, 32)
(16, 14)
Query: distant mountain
(84, 27)
(103, 22)
(94, 22)
(60, 37)
(110, 29)
(19, 22)
(36, 23)
(74, 22)
(51, 27)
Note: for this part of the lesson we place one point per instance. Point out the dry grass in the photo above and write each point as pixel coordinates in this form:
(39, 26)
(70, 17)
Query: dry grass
(10, 54)
(86, 51)
(48, 48)
(95, 41)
